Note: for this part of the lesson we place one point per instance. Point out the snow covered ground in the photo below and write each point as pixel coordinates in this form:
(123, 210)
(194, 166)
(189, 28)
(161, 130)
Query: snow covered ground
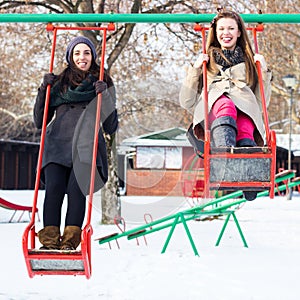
(268, 270)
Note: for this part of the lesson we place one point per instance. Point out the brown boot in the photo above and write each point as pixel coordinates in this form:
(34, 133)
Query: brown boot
(49, 237)
(71, 238)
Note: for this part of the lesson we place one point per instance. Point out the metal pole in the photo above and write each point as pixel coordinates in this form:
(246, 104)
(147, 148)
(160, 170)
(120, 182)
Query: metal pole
(290, 190)
(141, 18)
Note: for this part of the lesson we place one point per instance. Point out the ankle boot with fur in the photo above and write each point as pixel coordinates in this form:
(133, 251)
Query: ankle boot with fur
(49, 237)
(71, 238)
(223, 132)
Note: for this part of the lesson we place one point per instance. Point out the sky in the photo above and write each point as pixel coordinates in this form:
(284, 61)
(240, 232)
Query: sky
(268, 269)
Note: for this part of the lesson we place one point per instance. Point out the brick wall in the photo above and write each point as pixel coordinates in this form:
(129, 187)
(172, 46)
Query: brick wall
(154, 183)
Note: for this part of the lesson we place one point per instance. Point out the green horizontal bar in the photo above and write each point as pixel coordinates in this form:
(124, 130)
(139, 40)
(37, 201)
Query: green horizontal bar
(141, 18)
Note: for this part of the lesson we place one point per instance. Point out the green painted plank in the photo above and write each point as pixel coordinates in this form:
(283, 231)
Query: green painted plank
(141, 18)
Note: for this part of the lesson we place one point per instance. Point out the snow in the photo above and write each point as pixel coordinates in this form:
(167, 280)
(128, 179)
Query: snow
(268, 269)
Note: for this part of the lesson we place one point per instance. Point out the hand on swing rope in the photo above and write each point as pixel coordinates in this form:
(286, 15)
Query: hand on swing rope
(199, 62)
(261, 59)
(49, 78)
(100, 86)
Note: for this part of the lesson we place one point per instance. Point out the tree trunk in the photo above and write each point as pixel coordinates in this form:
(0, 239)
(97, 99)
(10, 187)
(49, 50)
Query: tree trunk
(110, 198)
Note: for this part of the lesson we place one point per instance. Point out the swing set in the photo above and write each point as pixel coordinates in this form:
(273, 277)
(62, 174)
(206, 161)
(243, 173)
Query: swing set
(246, 168)
(237, 169)
(260, 177)
(77, 262)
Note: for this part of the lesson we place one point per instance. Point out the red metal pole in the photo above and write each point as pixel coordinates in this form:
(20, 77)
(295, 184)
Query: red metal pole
(42, 142)
(270, 135)
(261, 87)
(97, 128)
(206, 129)
(30, 229)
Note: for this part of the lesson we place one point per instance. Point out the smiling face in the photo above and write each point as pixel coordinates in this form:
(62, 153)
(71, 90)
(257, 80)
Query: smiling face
(227, 32)
(82, 56)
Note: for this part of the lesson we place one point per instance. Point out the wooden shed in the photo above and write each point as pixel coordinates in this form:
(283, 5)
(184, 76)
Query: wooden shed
(18, 164)
(152, 164)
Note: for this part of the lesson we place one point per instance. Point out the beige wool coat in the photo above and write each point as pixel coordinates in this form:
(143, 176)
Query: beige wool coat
(232, 83)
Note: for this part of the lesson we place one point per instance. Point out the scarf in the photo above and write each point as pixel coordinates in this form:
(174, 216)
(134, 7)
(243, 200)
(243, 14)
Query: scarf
(234, 57)
(85, 92)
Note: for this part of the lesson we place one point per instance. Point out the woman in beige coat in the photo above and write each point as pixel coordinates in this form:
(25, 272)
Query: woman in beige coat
(234, 103)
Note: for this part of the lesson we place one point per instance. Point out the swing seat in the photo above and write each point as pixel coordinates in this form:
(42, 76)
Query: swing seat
(235, 165)
(56, 262)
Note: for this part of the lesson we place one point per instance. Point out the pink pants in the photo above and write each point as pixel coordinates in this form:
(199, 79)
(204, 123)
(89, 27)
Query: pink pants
(224, 106)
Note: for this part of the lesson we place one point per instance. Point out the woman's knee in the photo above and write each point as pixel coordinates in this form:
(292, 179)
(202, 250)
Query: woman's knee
(245, 126)
(223, 107)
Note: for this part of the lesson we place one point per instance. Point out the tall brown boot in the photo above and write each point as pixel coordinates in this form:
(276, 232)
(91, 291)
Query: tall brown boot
(49, 237)
(71, 238)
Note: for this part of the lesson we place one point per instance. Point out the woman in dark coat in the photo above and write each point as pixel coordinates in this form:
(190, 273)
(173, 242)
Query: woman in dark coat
(68, 149)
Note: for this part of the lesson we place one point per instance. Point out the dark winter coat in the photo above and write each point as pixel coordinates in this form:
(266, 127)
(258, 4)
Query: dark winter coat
(70, 135)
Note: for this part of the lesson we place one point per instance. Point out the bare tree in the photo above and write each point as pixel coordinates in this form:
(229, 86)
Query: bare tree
(280, 45)
(119, 41)
(146, 61)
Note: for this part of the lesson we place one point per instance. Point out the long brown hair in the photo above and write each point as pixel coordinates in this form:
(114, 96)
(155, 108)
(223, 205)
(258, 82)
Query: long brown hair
(242, 41)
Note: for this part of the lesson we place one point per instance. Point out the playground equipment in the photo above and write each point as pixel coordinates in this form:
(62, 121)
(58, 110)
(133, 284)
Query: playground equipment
(16, 207)
(244, 169)
(192, 180)
(141, 18)
(232, 168)
(235, 168)
(63, 262)
(79, 262)
(223, 206)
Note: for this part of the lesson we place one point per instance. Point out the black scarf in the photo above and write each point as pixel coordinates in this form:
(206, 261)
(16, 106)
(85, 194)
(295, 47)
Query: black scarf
(234, 57)
(85, 92)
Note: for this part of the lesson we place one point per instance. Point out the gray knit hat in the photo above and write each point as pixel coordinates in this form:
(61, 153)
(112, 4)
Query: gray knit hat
(78, 40)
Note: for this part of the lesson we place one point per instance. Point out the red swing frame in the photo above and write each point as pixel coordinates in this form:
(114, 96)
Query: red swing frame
(270, 149)
(30, 234)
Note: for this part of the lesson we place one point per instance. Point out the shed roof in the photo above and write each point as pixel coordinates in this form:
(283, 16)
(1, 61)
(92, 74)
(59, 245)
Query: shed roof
(172, 137)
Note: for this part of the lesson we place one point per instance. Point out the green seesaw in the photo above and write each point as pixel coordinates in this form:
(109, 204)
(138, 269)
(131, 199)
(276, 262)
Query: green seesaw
(215, 208)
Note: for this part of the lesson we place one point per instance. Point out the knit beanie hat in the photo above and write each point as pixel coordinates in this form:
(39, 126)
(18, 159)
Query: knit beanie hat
(78, 40)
